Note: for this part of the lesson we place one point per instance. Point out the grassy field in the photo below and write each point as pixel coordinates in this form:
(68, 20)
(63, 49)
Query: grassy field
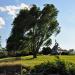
(29, 61)
(41, 59)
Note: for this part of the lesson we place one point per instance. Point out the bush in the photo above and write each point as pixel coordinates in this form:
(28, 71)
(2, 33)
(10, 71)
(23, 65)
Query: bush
(56, 68)
(23, 53)
(71, 69)
(3, 54)
(52, 68)
(46, 50)
(65, 53)
(49, 68)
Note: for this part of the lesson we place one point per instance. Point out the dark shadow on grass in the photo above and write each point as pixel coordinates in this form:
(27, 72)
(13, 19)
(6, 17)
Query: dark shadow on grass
(30, 59)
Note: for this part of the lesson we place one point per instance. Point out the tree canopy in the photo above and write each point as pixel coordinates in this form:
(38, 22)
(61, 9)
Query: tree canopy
(33, 28)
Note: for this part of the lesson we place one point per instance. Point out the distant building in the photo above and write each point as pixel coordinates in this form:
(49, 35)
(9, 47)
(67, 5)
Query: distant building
(57, 50)
(60, 50)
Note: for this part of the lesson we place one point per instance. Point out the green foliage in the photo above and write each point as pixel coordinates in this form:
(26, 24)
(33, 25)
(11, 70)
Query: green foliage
(32, 27)
(65, 53)
(57, 68)
(3, 54)
(46, 50)
(23, 53)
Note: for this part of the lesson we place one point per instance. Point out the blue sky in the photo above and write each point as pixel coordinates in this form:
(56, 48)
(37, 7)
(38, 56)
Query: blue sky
(66, 19)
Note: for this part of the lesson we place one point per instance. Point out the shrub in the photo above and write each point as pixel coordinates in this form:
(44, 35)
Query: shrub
(65, 53)
(71, 69)
(58, 68)
(52, 68)
(23, 53)
(46, 50)
(3, 54)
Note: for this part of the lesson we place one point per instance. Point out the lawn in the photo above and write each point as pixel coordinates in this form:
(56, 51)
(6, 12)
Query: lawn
(29, 61)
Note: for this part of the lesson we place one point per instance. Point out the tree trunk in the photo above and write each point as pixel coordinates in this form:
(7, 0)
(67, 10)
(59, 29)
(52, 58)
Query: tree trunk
(34, 54)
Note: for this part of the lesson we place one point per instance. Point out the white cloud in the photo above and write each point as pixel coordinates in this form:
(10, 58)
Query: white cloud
(22, 6)
(2, 22)
(2, 9)
(12, 9)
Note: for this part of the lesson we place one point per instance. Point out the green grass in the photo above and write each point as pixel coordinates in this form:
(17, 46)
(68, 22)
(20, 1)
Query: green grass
(29, 61)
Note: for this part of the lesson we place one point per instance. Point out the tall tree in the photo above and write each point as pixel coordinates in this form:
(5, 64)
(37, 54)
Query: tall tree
(33, 28)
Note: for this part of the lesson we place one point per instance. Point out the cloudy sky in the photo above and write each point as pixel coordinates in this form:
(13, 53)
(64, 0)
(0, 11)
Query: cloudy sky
(66, 18)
